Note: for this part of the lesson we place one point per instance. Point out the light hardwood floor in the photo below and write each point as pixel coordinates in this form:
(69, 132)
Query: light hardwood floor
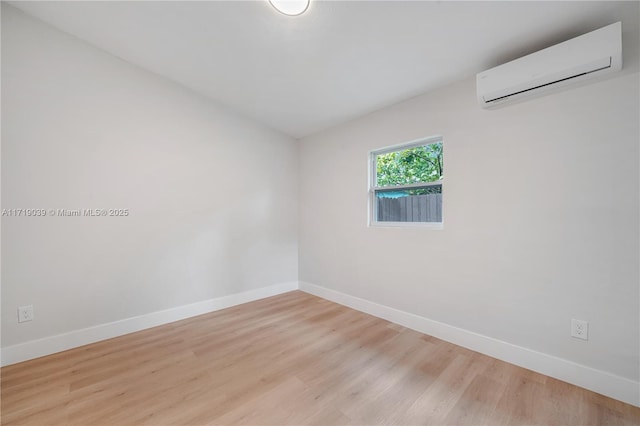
(290, 359)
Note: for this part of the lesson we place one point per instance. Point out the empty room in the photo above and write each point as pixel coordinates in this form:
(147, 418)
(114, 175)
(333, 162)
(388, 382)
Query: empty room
(316, 212)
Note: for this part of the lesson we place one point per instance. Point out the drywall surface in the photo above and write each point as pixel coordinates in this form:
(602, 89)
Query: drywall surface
(211, 196)
(540, 219)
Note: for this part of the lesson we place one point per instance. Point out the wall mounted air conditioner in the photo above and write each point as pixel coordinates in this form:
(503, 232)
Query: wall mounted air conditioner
(587, 56)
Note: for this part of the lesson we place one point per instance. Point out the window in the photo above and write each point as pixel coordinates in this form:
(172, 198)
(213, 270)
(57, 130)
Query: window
(406, 184)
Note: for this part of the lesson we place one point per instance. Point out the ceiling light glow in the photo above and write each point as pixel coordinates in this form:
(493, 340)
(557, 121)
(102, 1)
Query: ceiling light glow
(290, 7)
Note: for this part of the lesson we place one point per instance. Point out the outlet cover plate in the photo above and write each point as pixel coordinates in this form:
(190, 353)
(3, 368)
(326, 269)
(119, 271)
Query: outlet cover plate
(580, 329)
(25, 313)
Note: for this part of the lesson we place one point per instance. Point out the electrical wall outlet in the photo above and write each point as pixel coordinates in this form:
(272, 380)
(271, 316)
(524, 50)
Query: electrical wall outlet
(25, 313)
(580, 329)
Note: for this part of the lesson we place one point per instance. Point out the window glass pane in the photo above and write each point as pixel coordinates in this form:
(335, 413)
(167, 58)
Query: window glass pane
(418, 204)
(409, 166)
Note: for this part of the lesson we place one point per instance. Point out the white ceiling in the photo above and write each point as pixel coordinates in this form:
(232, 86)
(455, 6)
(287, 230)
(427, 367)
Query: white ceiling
(338, 61)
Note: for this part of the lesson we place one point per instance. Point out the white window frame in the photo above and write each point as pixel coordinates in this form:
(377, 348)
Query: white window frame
(373, 186)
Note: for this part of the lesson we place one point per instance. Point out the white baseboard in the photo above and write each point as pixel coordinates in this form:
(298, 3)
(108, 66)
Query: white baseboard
(73, 339)
(602, 382)
(608, 384)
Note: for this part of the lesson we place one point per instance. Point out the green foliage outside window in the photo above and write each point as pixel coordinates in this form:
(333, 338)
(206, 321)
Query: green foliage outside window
(414, 165)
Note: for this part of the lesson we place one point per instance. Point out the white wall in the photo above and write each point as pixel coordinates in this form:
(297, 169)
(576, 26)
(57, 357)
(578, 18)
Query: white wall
(212, 196)
(540, 219)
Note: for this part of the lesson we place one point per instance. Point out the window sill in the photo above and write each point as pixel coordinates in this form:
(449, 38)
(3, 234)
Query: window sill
(408, 225)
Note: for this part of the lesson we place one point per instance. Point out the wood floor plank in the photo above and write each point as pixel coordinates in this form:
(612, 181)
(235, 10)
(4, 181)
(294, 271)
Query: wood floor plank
(292, 359)
(477, 404)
